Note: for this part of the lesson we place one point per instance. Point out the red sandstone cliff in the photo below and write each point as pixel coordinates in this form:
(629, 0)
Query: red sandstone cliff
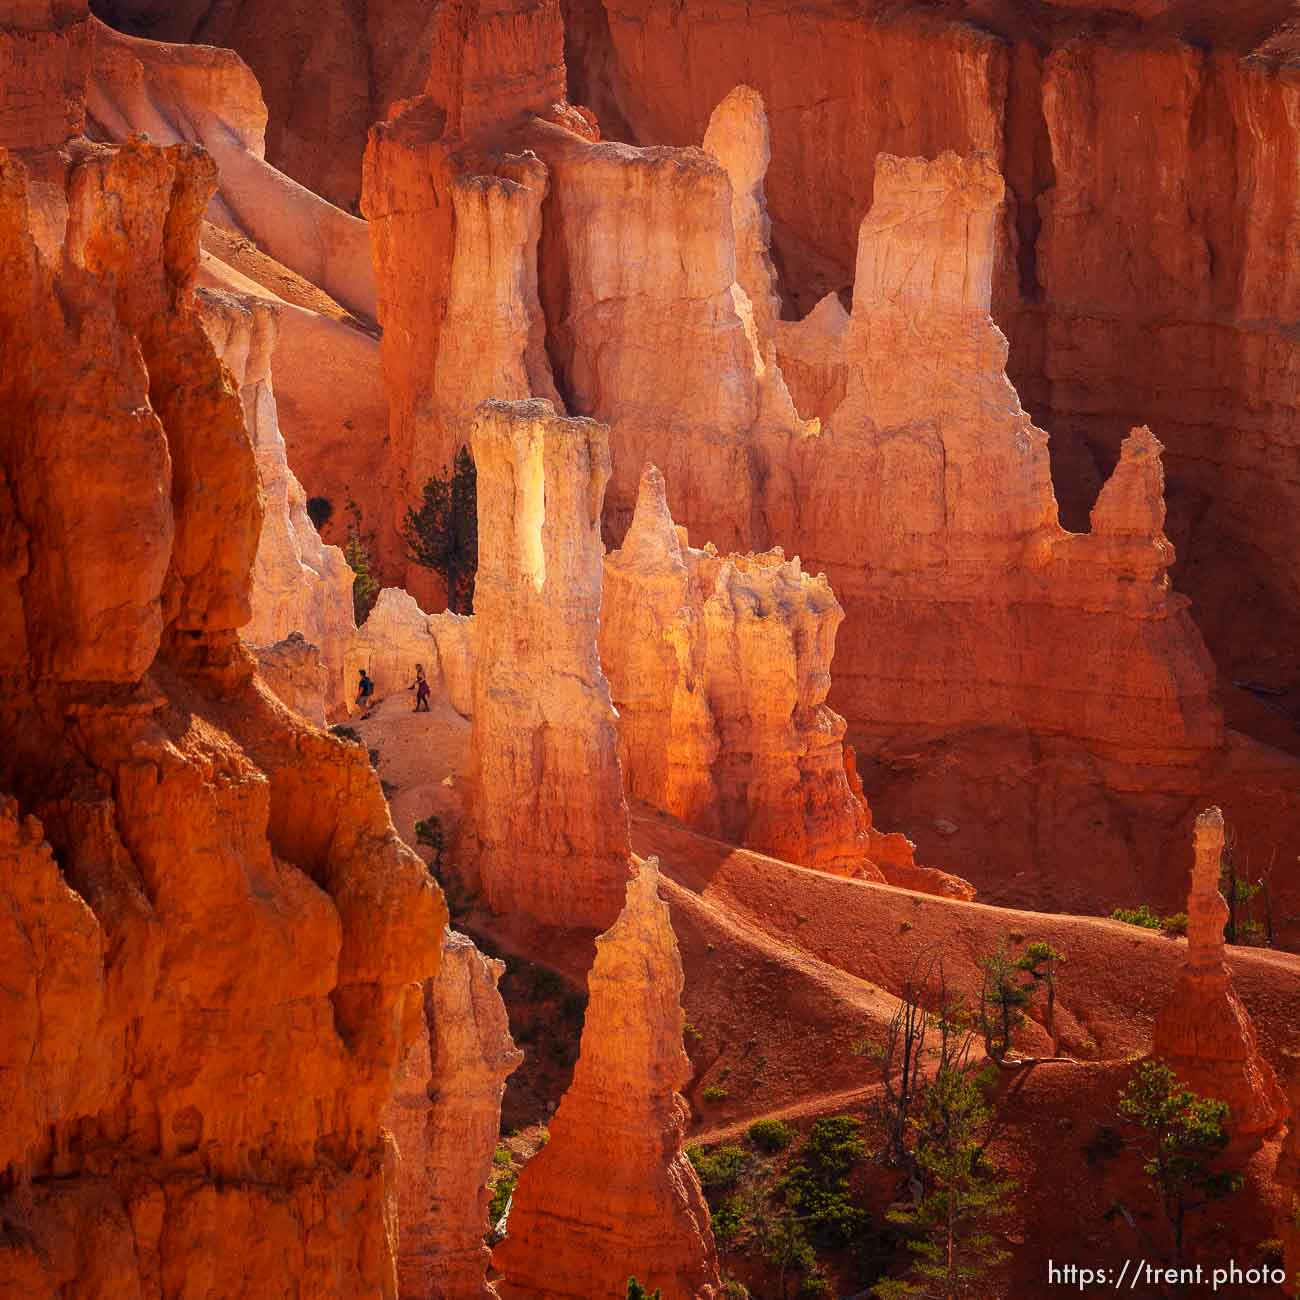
(209, 921)
(611, 1195)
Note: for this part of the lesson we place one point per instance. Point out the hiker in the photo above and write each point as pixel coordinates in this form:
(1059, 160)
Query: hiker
(421, 688)
(365, 692)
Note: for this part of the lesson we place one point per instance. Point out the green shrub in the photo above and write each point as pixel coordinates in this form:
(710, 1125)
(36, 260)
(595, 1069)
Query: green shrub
(770, 1134)
(814, 1284)
(728, 1220)
(720, 1168)
(817, 1187)
(501, 1193)
(1148, 920)
(635, 1291)
(350, 734)
(714, 1092)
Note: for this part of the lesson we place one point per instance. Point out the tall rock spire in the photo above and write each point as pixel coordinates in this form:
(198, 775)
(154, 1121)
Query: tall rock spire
(1203, 1030)
(612, 1194)
(548, 829)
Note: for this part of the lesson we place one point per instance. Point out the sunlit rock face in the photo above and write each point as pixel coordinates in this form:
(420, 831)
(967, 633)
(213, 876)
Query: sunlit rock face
(936, 521)
(300, 585)
(547, 832)
(211, 926)
(620, 1128)
(1203, 1030)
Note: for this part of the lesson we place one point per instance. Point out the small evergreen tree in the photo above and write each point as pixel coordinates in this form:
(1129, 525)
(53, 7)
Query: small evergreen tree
(1179, 1136)
(964, 1194)
(1003, 999)
(1039, 961)
(635, 1291)
(365, 586)
(442, 534)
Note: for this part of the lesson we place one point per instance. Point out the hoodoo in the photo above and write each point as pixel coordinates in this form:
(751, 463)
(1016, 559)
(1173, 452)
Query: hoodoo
(446, 1116)
(547, 823)
(612, 1195)
(1203, 1030)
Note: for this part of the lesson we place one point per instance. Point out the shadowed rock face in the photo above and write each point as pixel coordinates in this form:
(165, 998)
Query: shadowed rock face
(1288, 1175)
(1203, 1031)
(446, 1117)
(547, 828)
(210, 924)
(612, 1195)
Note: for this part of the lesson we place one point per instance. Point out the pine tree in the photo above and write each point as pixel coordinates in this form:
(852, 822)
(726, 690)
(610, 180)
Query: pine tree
(356, 551)
(1180, 1135)
(442, 534)
(964, 1194)
(635, 1291)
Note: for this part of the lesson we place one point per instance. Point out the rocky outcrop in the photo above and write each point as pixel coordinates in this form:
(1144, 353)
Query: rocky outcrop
(300, 585)
(611, 1195)
(547, 824)
(208, 921)
(398, 635)
(684, 386)
(196, 93)
(1104, 118)
(1203, 1030)
(446, 1117)
(737, 136)
(1069, 634)
(292, 668)
(719, 668)
(455, 255)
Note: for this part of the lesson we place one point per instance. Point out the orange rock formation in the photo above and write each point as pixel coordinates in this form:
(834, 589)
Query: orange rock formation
(719, 668)
(548, 833)
(1077, 635)
(611, 1195)
(1105, 118)
(299, 584)
(446, 1117)
(454, 234)
(209, 922)
(1203, 1031)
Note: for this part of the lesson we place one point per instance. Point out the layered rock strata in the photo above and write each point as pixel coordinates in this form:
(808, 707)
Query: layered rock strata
(210, 926)
(1104, 119)
(1203, 1030)
(612, 1195)
(547, 831)
(446, 1117)
(300, 585)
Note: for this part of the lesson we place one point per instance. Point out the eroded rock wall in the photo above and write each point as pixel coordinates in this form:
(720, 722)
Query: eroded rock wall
(547, 831)
(210, 922)
(300, 585)
(1024, 623)
(612, 1195)
(1103, 118)
(446, 1117)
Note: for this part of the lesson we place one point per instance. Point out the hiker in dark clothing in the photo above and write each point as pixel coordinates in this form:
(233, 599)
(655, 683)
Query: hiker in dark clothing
(421, 688)
(365, 692)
